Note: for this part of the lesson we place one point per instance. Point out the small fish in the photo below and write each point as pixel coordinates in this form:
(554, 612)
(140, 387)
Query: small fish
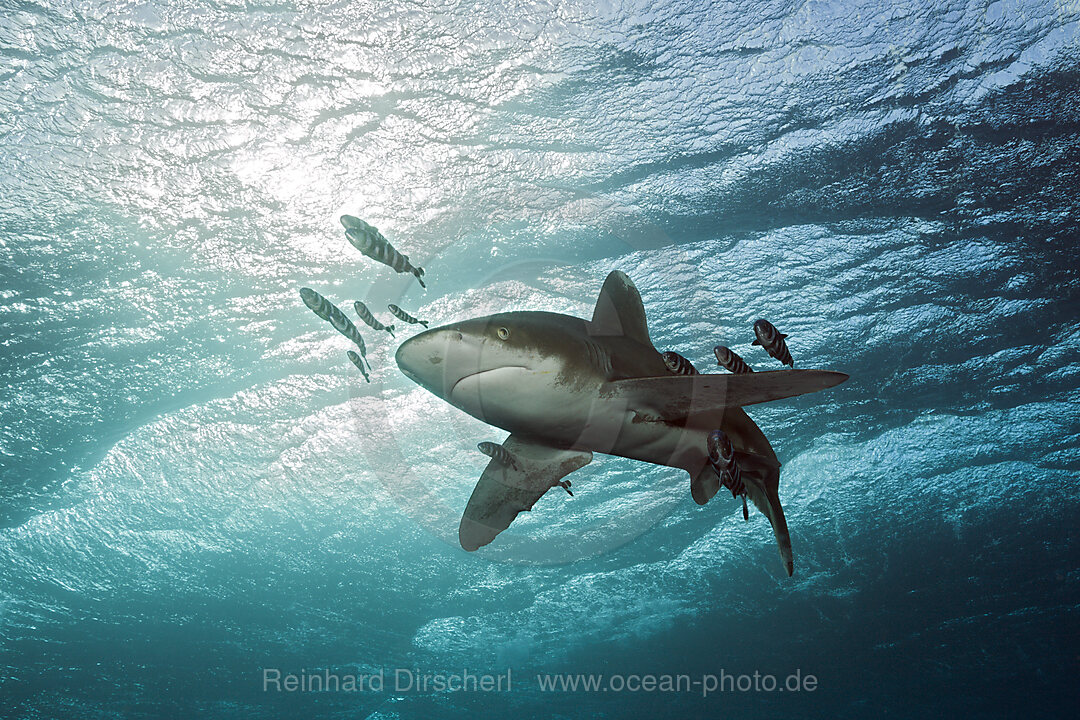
(316, 302)
(345, 326)
(731, 362)
(358, 363)
(679, 365)
(332, 314)
(371, 242)
(772, 340)
(404, 316)
(722, 458)
(498, 453)
(367, 317)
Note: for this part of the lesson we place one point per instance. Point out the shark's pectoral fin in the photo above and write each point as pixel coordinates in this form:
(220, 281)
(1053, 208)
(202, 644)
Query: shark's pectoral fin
(761, 477)
(504, 491)
(675, 397)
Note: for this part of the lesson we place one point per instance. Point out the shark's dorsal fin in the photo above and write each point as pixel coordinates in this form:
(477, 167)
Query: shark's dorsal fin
(619, 310)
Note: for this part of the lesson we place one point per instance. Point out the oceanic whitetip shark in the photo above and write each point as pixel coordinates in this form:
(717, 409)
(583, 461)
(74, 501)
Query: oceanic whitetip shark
(565, 388)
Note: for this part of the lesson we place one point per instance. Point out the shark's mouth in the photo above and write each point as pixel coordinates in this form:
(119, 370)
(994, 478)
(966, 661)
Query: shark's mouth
(477, 374)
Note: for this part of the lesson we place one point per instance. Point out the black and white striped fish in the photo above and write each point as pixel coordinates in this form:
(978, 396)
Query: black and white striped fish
(499, 454)
(722, 459)
(404, 316)
(316, 302)
(679, 365)
(772, 340)
(365, 315)
(371, 242)
(345, 326)
(730, 361)
(358, 363)
(332, 314)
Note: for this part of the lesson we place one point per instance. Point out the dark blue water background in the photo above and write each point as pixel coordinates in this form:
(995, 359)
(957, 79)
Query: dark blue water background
(196, 485)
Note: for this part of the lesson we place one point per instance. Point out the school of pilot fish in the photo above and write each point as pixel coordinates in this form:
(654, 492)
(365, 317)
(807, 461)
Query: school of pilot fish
(369, 241)
(721, 454)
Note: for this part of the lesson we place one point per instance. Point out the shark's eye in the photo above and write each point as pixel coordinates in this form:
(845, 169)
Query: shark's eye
(503, 333)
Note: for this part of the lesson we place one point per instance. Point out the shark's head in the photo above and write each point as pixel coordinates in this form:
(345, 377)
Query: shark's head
(492, 366)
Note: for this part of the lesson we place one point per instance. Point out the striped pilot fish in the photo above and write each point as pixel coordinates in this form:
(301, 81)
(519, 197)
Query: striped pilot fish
(404, 316)
(332, 314)
(679, 365)
(365, 315)
(371, 242)
(359, 363)
(772, 340)
(316, 302)
(722, 459)
(730, 361)
(345, 326)
(499, 454)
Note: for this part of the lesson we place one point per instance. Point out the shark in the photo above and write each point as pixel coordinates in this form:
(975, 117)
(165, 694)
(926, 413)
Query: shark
(566, 388)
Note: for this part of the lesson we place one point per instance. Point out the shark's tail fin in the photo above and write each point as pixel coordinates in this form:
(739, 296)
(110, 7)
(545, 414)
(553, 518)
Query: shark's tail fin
(762, 480)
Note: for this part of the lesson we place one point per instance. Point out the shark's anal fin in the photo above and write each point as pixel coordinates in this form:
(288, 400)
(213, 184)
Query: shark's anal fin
(503, 492)
(676, 397)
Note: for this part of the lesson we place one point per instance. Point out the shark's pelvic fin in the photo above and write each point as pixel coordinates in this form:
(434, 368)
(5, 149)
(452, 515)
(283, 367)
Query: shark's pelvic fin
(503, 492)
(704, 485)
(619, 310)
(675, 398)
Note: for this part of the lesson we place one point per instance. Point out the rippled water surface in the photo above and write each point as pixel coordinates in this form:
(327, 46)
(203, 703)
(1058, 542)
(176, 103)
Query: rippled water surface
(196, 485)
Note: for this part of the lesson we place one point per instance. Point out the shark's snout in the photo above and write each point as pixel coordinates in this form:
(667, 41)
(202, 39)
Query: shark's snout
(437, 359)
(420, 355)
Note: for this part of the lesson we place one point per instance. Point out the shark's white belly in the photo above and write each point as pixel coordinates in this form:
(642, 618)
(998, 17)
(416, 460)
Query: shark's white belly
(542, 405)
(529, 402)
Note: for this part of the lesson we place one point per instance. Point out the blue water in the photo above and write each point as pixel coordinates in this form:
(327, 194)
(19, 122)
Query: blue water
(196, 485)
